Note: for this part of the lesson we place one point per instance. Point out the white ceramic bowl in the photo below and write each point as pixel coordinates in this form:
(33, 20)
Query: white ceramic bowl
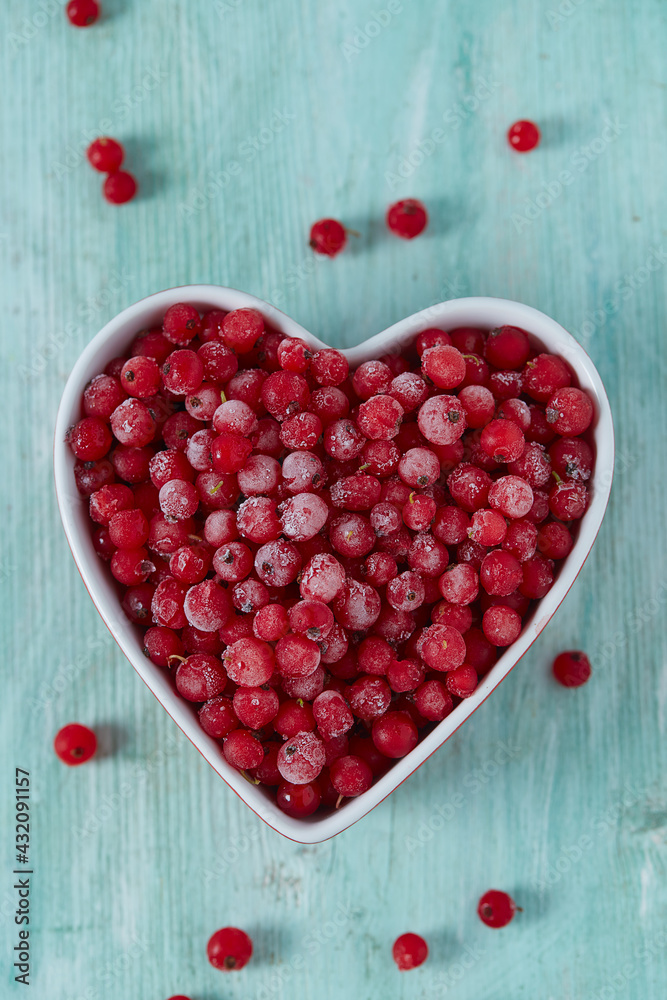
(114, 339)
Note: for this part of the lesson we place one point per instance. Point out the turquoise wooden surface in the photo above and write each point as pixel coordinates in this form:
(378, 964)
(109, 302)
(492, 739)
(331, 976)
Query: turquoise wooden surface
(338, 109)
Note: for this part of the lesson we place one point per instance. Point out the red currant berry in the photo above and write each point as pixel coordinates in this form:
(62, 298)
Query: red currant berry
(75, 744)
(409, 951)
(502, 625)
(299, 801)
(407, 218)
(496, 908)
(328, 237)
(90, 439)
(105, 154)
(350, 775)
(119, 187)
(140, 377)
(570, 411)
(83, 13)
(433, 700)
(572, 669)
(395, 734)
(523, 136)
(229, 949)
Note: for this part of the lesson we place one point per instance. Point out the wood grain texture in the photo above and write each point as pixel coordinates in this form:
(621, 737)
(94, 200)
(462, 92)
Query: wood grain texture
(141, 855)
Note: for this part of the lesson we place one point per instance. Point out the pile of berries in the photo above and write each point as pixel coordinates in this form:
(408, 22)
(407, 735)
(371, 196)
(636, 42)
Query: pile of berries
(327, 561)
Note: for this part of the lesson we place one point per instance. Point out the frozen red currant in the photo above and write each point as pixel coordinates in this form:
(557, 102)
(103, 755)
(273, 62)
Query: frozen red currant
(395, 734)
(572, 669)
(409, 951)
(326, 561)
(75, 744)
(407, 218)
(83, 13)
(496, 908)
(229, 949)
(328, 237)
(299, 800)
(119, 187)
(523, 136)
(105, 154)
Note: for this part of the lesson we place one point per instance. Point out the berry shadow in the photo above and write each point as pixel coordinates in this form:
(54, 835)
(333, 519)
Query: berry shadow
(269, 943)
(443, 946)
(555, 131)
(141, 155)
(110, 739)
(532, 902)
(443, 214)
(113, 10)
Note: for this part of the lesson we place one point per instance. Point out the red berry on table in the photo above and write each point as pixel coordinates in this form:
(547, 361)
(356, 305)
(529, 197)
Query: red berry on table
(523, 136)
(409, 951)
(83, 13)
(119, 187)
(328, 237)
(106, 155)
(75, 744)
(407, 218)
(572, 669)
(496, 908)
(229, 949)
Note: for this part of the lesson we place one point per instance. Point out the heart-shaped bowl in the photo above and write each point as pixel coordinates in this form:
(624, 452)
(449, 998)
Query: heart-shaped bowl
(486, 313)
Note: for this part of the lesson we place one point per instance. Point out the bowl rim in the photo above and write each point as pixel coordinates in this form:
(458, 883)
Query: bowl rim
(480, 311)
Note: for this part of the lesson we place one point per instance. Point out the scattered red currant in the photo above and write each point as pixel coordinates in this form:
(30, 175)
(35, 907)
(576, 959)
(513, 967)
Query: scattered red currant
(409, 951)
(119, 187)
(229, 949)
(407, 218)
(328, 237)
(496, 908)
(75, 744)
(82, 13)
(523, 136)
(106, 155)
(572, 669)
